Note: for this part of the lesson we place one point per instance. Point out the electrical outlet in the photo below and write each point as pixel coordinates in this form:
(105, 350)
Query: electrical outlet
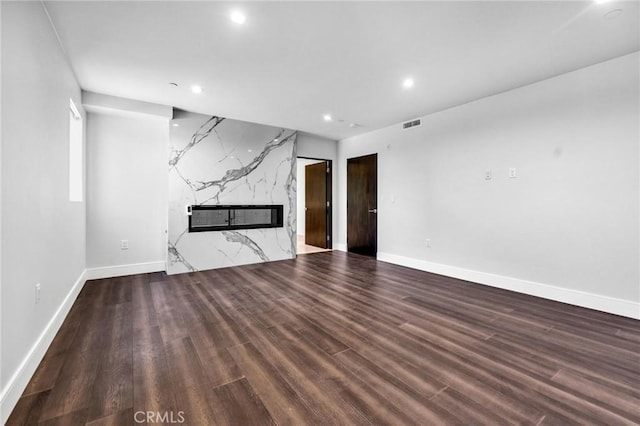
(488, 175)
(428, 242)
(124, 245)
(37, 293)
(512, 172)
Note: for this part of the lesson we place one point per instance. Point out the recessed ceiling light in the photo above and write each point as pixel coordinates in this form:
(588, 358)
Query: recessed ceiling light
(327, 117)
(173, 84)
(407, 83)
(175, 125)
(196, 89)
(276, 140)
(238, 17)
(249, 150)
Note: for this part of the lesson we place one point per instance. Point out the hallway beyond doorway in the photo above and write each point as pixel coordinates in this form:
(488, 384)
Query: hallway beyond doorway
(306, 249)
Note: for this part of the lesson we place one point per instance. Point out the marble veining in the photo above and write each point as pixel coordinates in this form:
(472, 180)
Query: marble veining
(200, 135)
(176, 257)
(214, 160)
(291, 188)
(237, 174)
(237, 237)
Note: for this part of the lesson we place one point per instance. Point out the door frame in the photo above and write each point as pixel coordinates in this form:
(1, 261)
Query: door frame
(329, 184)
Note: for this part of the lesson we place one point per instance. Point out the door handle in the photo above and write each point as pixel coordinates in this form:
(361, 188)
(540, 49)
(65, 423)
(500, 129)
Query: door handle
(373, 210)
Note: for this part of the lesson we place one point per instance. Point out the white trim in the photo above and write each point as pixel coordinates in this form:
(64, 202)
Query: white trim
(74, 110)
(20, 378)
(625, 308)
(122, 270)
(340, 246)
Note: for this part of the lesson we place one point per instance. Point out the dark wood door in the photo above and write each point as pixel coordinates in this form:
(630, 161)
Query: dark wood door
(315, 201)
(362, 199)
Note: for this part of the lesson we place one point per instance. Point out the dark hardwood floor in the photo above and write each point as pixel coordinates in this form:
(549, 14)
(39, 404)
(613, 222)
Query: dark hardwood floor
(331, 338)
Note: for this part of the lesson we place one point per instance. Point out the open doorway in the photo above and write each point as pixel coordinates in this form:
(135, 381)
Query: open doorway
(314, 205)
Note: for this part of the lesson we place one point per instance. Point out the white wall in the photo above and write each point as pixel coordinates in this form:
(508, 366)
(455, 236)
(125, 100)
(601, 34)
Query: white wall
(127, 185)
(43, 234)
(569, 220)
(313, 146)
(301, 192)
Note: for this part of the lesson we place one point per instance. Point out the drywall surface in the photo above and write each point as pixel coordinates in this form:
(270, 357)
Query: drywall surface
(570, 217)
(313, 146)
(127, 186)
(43, 233)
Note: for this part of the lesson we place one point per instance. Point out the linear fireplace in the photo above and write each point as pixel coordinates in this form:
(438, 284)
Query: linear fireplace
(229, 217)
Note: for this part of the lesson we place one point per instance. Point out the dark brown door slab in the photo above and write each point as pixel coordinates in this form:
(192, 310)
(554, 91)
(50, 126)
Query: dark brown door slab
(315, 215)
(362, 212)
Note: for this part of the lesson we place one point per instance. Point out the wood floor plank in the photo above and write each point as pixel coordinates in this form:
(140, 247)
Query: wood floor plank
(72, 390)
(320, 379)
(189, 383)
(537, 384)
(211, 342)
(112, 389)
(120, 291)
(399, 394)
(122, 418)
(321, 338)
(467, 377)
(617, 399)
(170, 320)
(144, 314)
(464, 409)
(331, 338)
(630, 336)
(282, 401)
(46, 374)
(571, 356)
(49, 368)
(238, 403)
(308, 379)
(78, 417)
(28, 409)
(152, 379)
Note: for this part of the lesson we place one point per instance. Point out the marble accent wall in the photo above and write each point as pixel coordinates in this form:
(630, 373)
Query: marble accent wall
(214, 160)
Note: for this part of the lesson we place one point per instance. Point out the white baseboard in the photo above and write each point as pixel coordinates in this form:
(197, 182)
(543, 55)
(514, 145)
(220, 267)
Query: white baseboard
(122, 270)
(20, 378)
(625, 308)
(340, 246)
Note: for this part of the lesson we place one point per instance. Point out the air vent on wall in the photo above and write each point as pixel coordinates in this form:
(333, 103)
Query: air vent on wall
(413, 123)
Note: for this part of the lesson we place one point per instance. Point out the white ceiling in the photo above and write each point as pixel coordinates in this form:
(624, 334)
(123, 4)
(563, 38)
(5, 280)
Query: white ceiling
(292, 62)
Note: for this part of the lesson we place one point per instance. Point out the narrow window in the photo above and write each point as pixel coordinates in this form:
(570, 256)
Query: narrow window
(75, 153)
